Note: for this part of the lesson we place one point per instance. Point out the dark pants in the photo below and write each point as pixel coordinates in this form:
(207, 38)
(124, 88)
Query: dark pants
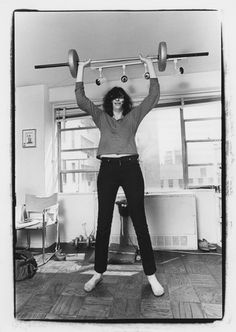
(113, 173)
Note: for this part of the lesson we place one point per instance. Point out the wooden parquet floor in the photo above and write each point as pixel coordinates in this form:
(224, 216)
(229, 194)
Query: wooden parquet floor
(192, 282)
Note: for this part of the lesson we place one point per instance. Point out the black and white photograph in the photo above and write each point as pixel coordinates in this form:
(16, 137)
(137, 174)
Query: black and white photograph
(119, 207)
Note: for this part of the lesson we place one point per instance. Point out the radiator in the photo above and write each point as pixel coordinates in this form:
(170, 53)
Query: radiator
(172, 222)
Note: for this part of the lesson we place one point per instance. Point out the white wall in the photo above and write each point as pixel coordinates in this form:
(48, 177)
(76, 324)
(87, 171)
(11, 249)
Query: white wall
(30, 167)
(34, 166)
(76, 209)
(208, 215)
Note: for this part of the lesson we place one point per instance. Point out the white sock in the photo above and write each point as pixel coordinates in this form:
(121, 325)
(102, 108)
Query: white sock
(91, 284)
(157, 288)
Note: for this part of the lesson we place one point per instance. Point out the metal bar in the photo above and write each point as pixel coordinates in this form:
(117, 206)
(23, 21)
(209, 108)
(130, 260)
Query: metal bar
(82, 149)
(51, 65)
(59, 157)
(127, 59)
(136, 61)
(78, 128)
(202, 164)
(78, 171)
(58, 237)
(115, 60)
(184, 147)
(118, 64)
(186, 55)
(44, 234)
(28, 239)
(75, 159)
(202, 140)
(57, 247)
(155, 57)
(202, 119)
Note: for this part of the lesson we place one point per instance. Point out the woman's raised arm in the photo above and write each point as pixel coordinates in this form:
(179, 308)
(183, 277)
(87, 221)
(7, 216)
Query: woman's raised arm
(80, 72)
(84, 103)
(150, 66)
(150, 101)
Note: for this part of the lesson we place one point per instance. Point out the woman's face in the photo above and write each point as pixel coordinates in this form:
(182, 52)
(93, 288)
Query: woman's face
(118, 103)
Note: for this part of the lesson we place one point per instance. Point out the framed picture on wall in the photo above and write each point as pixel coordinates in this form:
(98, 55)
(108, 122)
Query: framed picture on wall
(29, 138)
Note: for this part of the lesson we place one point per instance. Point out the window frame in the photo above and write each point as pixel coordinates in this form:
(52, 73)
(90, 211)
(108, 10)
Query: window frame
(62, 172)
(184, 141)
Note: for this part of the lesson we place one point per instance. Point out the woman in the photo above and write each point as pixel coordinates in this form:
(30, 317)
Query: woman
(118, 123)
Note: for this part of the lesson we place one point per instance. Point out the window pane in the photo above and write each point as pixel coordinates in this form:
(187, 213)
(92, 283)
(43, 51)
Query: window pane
(204, 110)
(78, 123)
(80, 160)
(159, 146)
(206, 152)
(79, 182)
(204, 175)
(79, 139)
(203, 129)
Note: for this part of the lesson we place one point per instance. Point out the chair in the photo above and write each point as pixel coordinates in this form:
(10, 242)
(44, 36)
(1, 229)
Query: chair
(40, 212)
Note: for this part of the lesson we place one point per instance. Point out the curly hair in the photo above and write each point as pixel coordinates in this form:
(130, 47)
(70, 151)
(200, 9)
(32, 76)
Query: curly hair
(114, 93)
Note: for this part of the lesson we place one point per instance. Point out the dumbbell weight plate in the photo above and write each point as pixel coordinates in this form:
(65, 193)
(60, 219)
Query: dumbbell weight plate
(162, 56)
(81, 238)
(73, 60)
(76, 242)
(87, 242)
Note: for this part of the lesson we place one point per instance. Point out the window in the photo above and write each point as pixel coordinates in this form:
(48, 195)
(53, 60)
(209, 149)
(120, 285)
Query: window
(202, 144)
(78, 142)
(178, 148)
(159, 145)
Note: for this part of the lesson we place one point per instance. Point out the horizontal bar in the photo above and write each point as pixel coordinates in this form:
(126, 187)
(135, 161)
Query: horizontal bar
(169, 56)
(78, 128)
(77, 171)
(82, 149)
(202, 164)
(75, 159)
(127, 59)
(118, 65)
(186, 55)
(202, 119)
(51, 65)
(204, 186)
(115, 60)
(203, 140)
(65, 64)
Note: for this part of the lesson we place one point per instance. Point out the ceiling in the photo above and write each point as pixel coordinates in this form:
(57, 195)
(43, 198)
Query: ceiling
(46, 37)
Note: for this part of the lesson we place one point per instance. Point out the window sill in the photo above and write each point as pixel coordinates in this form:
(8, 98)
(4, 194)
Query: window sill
(150, 193)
